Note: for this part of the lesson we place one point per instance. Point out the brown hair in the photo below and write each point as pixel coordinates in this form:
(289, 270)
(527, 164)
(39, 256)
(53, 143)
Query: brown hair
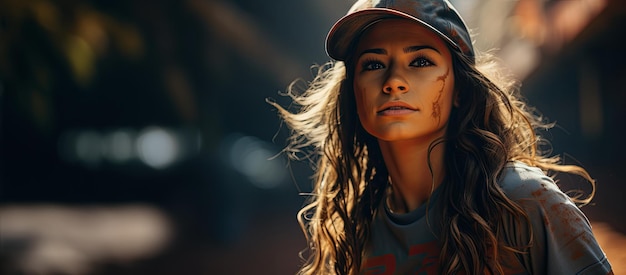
(491, 126)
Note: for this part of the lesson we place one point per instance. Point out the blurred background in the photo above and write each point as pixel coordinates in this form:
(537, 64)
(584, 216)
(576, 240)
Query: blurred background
(136, 137)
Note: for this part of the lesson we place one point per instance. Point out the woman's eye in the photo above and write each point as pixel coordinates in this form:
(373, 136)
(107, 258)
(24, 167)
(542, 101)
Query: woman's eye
(372, 65)
(421, 62)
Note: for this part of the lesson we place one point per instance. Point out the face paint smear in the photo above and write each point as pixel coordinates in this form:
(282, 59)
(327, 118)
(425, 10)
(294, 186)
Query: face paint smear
(436, 114)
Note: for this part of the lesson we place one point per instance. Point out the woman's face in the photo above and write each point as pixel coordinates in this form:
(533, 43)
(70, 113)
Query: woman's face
(403, 82)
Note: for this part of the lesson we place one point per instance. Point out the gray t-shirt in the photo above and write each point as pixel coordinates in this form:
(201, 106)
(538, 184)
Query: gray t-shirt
(562, 243)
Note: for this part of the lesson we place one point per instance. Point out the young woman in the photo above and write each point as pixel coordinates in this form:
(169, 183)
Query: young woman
(426, 161)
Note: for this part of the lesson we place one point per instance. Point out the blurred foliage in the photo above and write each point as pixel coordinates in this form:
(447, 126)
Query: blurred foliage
(42, 41)
(73, 31)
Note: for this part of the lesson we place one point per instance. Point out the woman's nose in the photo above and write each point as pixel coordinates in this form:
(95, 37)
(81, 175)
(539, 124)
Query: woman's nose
(395, 82)
(395, 88)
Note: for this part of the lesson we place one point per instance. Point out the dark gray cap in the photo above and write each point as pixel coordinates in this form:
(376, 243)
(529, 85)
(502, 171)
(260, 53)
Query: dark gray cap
(437, 15)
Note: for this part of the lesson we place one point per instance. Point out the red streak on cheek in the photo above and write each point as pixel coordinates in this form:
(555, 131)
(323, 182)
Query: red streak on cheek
(436, 114)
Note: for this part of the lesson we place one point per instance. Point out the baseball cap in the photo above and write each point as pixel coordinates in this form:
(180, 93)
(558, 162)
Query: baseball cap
(437, 15)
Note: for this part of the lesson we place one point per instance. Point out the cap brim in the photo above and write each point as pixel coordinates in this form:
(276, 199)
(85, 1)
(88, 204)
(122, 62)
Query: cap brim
(350, 27)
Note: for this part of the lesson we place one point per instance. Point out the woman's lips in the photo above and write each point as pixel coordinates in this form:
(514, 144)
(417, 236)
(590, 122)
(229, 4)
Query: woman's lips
(393, 111)
(396, 108)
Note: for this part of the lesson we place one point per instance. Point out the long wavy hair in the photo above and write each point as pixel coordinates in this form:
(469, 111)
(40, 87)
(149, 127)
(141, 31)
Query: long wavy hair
(491, 126)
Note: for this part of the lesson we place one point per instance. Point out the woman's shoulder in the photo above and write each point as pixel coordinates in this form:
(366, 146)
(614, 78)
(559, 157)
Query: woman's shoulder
(520, 181)
(563, 242)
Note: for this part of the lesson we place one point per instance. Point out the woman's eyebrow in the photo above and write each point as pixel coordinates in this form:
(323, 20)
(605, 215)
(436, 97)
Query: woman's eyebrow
(374, 51)
(411, 49)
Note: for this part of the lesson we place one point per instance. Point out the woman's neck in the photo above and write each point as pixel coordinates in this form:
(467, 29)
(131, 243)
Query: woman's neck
(412, 182)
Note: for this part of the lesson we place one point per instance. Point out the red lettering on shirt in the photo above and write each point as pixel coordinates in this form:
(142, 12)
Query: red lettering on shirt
(380, 265)
(428, 255)
(424, 257)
